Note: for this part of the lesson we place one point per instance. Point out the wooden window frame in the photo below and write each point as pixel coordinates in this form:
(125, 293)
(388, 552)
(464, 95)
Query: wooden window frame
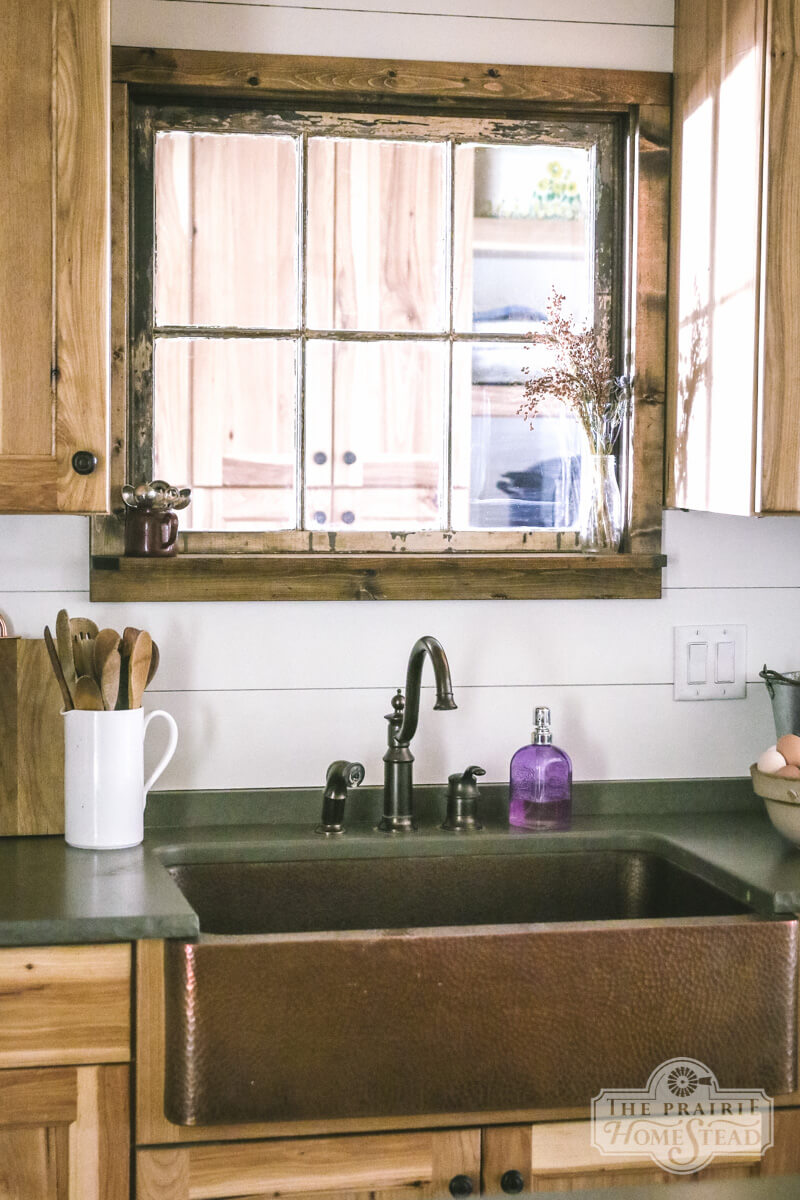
(241, 566)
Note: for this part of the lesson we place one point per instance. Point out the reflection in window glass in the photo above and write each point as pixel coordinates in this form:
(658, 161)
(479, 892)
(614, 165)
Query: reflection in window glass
(523, 225)
(376, 235)
(505, 474)
(226, 222)
(224, 419)
(374, 434)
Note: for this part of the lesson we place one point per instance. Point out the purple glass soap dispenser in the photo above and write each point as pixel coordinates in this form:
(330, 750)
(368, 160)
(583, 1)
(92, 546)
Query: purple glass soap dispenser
(541, 781)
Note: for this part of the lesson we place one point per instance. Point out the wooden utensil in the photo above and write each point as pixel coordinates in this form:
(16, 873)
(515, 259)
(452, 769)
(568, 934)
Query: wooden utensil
(66, 653)
(58, 670)
(107, 663)
(87, 694)
(127, 642)
(139, 668)
(83, 632)
(155, 659)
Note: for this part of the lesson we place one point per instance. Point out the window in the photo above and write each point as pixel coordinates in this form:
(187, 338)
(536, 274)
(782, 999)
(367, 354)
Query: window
(330, 312)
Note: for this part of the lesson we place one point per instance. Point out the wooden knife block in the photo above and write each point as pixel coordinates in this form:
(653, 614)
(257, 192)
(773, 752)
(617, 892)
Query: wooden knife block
(31, 741)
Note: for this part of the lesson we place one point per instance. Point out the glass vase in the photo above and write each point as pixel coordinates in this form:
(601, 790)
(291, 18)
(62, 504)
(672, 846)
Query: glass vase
(600, 514)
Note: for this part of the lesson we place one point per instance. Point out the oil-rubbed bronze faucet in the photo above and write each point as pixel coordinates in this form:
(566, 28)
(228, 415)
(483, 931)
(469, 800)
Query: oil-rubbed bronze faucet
(398, 791)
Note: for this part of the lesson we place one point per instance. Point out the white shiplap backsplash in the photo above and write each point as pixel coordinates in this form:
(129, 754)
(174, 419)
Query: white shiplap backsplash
(268, 694)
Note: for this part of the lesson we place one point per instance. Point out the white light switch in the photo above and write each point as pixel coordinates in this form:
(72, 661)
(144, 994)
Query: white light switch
(709, 662)
(696, 666)
(726, 663)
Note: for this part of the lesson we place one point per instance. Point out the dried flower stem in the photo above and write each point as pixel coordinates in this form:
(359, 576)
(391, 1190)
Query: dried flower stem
(582, 379)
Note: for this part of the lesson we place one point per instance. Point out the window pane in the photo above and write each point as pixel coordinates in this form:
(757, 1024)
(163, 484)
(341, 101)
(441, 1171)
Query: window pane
(226, 230)
(375, 434)
(505, 475)
(224, 423)
(376, 235)
(523, 224)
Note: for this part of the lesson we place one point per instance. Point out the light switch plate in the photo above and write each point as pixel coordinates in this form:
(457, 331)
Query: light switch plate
(710, 662)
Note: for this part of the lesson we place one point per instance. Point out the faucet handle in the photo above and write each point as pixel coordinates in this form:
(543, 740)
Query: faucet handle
(339, 777)
(462, 801)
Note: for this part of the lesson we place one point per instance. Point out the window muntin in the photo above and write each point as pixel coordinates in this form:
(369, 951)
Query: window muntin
(382, 350)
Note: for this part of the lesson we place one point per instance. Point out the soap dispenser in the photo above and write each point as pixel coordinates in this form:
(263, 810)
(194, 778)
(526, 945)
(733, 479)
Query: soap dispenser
(541, 781)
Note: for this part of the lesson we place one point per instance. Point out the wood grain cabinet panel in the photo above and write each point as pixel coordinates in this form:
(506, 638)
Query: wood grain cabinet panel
(733, 430)
(64, 1134)
(382, 1165)
(54, 250)
(64, 1004)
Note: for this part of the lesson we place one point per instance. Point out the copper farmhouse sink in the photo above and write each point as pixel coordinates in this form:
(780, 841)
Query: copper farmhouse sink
(465, 984)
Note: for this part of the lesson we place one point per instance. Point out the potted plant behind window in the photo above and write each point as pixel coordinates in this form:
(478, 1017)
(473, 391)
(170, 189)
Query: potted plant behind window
(582, 378)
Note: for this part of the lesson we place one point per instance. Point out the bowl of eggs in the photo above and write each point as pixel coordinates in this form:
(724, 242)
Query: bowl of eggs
(776, 779)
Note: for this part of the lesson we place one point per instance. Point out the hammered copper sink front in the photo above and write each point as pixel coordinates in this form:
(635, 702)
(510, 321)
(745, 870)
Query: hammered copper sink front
(409, 986)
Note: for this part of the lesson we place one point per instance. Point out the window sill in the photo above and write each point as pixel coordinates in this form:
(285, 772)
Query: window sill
(395, 576)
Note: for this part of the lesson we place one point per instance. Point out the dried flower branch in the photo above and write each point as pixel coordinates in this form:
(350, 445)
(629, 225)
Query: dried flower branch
(582, 379)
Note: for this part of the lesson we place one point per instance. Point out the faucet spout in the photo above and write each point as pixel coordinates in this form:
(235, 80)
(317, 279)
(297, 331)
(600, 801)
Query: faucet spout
(422, 648)
(398, 806)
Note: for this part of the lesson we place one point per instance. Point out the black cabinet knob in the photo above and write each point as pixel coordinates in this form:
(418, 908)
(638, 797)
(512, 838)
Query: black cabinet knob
(512, 1182)
(320, 458)
(461, 1185)
(84, 462)
(349, 457)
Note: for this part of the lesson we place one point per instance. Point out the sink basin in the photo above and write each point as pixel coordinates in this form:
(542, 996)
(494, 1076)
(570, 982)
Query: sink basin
(464, 984)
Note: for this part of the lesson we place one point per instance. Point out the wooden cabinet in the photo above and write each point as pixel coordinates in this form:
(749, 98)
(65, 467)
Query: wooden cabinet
(733, 432)
(54, 250)
(64, 1133)
(347, 1166)
(65, 1085)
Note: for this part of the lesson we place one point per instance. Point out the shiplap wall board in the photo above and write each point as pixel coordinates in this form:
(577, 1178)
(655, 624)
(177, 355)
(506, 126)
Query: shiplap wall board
(289, 687)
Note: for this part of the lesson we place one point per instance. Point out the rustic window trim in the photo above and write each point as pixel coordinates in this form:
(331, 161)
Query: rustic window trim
(235, 566)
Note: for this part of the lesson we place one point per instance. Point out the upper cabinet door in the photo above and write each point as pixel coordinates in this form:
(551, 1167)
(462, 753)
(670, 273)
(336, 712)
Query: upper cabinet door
(54, 255)
(714, 432)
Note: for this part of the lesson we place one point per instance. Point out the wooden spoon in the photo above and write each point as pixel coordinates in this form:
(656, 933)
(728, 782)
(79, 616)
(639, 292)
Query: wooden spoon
(87, 694)
(58, 670)
(139, 668)
(66, 653)
(107, 665)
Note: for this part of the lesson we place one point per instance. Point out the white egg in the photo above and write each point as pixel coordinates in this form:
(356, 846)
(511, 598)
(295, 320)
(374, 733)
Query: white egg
(771, 761)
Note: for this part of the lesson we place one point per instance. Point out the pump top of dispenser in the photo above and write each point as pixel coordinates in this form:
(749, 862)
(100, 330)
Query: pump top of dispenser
(541, 727)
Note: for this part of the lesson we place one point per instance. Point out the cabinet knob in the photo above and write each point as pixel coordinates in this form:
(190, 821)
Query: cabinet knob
(84, 462)
(349, 457)
(320, 517)
(512, 1182)
(461, 1185)
(320, 458)
(348, 517)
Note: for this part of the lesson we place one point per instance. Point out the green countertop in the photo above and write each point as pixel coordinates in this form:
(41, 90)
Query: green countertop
(51, 893)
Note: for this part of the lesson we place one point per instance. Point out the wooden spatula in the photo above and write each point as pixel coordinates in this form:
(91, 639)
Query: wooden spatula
(58, 670)
(107, 663)
(87, 694)
(66, 653)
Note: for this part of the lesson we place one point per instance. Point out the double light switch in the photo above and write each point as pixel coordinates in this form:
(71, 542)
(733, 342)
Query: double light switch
(710, 662)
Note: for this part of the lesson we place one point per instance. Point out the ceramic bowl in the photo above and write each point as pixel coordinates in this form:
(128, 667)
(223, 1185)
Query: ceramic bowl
(782, 799)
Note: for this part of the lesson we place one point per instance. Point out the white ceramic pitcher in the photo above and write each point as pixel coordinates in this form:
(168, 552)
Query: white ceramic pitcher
(104, 786)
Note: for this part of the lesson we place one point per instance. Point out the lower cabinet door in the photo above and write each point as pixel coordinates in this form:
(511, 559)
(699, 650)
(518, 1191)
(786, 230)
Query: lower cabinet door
(558, 1156)
(430, 1164)
(64, 1133)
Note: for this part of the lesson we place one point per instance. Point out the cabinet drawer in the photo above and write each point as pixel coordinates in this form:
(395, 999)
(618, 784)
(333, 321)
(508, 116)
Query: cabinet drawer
(64, 1004)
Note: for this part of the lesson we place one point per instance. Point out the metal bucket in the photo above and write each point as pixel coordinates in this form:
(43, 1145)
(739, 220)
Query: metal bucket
(784, 692)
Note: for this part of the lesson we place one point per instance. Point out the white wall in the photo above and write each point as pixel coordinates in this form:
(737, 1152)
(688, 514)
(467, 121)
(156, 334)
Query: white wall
(268, 694)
